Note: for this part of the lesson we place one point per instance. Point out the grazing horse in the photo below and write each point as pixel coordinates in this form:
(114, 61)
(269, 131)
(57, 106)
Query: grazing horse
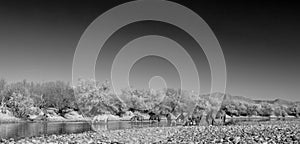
(180, 117)
(196, 119)
(210, 116)
(154, 118)
(192, 120)
(171, 119)
(197, 115)
(185, 118)
(221, 114)
(213, 115)
(137, 118)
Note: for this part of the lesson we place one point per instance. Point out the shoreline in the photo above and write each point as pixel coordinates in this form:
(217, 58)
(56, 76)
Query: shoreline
(88, 120)
(252, 132)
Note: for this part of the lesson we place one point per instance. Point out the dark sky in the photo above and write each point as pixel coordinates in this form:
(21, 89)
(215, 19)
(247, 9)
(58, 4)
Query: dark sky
(259, 41)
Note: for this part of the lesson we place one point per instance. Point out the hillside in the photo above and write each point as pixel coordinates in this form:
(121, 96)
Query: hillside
(243, 106)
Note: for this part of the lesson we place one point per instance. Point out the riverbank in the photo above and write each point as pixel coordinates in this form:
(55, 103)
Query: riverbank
(7, 118)
(249, 132)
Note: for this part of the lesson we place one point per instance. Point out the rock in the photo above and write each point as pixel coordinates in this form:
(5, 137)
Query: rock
(55, 118)
(264, 132)
(105, 118)
(73, 115)
(53, 111)
(127, 116)
(237, 140)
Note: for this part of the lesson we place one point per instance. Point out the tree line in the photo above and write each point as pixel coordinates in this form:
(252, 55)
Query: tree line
(91, 98)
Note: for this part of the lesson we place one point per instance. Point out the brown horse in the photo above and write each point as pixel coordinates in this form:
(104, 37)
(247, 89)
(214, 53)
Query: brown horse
(137, 118)
(221, 114)
(155, 117)
(213, 115)
(185, 119)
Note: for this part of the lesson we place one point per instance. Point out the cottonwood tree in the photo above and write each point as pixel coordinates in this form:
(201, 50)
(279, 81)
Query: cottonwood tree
(293, 110)
(265, 110)
(19, 102)
(251, 110)
(93, 98)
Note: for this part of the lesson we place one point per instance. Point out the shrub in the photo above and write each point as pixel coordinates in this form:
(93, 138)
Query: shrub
(280, 111)
(94, 98)
(242, 109)
(230, 109)
(265, 110)
(293, 110)
(19, 101)
(251, 110)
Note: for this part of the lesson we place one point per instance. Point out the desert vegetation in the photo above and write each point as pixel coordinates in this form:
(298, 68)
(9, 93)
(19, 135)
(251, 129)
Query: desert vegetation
(91, 98)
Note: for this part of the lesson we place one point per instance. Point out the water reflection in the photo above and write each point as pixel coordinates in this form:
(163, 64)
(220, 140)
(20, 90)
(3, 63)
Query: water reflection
(21, 130)
(126, 125)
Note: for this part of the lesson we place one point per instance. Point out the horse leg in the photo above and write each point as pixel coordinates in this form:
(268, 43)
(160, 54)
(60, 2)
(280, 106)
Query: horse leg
(207, 119)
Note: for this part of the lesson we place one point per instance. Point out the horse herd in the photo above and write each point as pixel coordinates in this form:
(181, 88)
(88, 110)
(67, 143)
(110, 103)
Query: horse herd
(186, 119)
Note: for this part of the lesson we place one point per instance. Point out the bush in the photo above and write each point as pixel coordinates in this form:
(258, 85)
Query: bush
(94, 98)
(265, 110)
(18, 99)
(242, 109)
(2, 88)
(57, 94)
(251, 110)
(230, 109)
(280, 111)
(293, 110)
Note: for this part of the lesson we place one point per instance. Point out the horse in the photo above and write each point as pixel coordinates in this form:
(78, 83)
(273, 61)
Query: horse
(185, 118)
(171, 119)
(221, 114)
(137, 118)
(154, 118)
(214, 115)
(181, 117)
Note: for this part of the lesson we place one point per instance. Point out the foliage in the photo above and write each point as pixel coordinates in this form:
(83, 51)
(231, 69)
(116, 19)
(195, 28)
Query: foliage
(2, 88)
(293, 110)
(18, 99)
(94, 98)
(265, 110)
(242, 109)
(21, 97)
(251, 110)
(231, 109)
(280, 111)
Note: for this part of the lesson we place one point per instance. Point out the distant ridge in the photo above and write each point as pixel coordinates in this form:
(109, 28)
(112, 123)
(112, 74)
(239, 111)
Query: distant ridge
(227, 99)
(278, 102)
(243, 99)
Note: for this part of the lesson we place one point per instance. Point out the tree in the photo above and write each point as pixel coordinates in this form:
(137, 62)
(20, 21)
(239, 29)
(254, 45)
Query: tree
(230, 109)
(2, 97)
(293, 110)
(171, 100)
(278, 112)
(56, 94)
(242, 109)
(265, 110)
(251, 110)
(94, 98)
(19, 101)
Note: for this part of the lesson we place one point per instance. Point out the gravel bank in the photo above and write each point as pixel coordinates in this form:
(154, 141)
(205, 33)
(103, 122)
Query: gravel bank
(250, 132)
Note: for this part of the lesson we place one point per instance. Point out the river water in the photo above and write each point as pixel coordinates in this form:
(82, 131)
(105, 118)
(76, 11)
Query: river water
(22, 130)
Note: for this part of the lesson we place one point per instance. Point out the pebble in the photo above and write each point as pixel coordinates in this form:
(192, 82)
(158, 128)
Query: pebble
(246, 132)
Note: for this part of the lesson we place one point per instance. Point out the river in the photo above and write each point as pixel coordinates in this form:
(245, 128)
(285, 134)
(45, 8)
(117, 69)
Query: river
(30, 129)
